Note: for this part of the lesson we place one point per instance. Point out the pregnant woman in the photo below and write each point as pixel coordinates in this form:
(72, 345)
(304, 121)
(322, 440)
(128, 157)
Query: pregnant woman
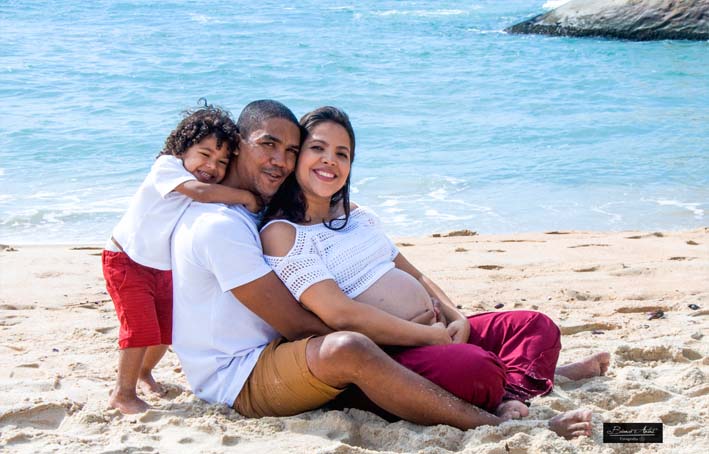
(338, 263)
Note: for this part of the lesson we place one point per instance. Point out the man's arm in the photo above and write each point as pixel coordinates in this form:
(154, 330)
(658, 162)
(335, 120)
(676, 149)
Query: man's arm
(268, 298)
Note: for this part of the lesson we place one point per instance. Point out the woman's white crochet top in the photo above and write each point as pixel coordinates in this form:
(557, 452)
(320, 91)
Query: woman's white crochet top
(354, 257)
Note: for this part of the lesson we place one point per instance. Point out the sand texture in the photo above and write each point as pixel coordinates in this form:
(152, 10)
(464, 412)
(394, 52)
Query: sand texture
(58, 352)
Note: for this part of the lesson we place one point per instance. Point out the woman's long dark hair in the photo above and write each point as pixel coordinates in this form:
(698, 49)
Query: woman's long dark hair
(289, 202)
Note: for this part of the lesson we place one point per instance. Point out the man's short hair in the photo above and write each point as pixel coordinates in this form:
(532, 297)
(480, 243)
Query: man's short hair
(256, 112)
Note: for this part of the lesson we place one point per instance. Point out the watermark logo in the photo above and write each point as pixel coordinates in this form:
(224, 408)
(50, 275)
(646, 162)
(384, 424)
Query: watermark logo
(632, 432)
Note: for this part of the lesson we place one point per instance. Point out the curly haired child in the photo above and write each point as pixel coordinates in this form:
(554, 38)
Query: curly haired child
(136, 259)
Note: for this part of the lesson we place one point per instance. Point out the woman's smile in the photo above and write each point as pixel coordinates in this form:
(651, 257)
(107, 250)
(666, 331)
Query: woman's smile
(325, 175)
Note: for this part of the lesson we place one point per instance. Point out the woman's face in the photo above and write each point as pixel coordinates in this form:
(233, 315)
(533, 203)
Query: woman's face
(324, 160)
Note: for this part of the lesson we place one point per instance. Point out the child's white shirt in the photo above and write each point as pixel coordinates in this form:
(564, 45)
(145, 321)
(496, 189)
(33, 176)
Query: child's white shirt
(144, 231)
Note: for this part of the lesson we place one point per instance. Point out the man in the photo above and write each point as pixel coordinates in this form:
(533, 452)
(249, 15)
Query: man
(230, 311)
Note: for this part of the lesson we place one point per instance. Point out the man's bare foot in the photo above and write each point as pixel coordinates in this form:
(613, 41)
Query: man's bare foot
(572, 423)
(512, 409)
(126, 403)
(593, 366)
(148, 385)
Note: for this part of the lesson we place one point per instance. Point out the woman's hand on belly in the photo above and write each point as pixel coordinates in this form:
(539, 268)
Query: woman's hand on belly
(441, 336)
(459, 331)
(438, 312)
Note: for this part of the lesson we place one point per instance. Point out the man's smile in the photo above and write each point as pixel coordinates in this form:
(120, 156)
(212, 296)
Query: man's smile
(274, 175)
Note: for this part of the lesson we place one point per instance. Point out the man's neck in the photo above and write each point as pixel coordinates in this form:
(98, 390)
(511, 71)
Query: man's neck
(232, 178)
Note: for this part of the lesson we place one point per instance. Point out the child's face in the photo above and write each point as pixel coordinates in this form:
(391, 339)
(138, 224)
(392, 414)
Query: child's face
(206, 161)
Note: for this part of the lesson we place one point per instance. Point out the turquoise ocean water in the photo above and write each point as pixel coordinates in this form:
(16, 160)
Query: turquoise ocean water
(459, 125)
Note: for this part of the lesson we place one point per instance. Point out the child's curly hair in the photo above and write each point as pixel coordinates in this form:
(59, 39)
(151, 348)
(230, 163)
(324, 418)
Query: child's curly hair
(198, 124)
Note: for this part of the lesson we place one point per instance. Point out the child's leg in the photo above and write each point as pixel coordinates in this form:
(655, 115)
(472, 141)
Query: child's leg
(123, 397)
(163, 311)
(152, 357)
(132, 289)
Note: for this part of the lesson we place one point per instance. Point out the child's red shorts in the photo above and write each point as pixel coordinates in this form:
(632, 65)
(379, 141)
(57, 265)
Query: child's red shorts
(142, 297)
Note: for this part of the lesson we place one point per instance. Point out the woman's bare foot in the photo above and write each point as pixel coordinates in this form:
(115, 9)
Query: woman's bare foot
(127, 403)
(593, 366)
(148, 385)
(512, 409)
(572, 423)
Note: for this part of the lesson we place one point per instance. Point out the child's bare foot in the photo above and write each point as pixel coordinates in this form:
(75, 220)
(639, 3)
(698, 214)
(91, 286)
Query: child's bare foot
(148, 385)
(593, 366)
(127, 404)
(512, 409)
(572, 423)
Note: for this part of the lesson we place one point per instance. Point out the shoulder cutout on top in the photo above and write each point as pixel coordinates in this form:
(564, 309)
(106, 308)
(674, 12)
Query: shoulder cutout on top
(278, 238)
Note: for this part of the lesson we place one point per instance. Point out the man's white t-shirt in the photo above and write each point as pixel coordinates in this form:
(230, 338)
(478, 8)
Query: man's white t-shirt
(144, 230)
(216, 248)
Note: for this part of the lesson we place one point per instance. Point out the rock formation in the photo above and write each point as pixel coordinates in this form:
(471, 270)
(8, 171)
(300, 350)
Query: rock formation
(639, 20)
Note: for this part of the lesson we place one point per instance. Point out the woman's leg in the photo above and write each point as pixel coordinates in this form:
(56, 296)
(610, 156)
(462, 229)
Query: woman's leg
(467, 371)
(527, 342)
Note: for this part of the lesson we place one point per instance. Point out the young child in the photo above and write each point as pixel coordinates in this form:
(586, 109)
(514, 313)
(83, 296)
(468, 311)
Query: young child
(136, 260)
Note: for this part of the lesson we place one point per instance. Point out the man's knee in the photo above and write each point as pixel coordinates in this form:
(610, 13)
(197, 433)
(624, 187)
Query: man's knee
(345, 347)
(338, 358)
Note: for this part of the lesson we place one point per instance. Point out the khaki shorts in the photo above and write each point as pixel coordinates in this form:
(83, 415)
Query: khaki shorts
(281, 383)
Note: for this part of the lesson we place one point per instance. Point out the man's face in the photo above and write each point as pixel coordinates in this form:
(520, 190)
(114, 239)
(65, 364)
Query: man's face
(267, 156)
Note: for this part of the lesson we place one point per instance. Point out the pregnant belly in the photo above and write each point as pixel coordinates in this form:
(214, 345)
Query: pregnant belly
(397, 293)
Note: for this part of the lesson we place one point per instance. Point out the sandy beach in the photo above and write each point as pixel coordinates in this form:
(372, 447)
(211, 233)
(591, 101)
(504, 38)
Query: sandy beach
(58, 351)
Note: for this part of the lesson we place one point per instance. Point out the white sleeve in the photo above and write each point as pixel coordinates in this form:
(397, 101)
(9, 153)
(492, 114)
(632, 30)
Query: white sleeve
(299, 271)
(167, 173)
(230, 250)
